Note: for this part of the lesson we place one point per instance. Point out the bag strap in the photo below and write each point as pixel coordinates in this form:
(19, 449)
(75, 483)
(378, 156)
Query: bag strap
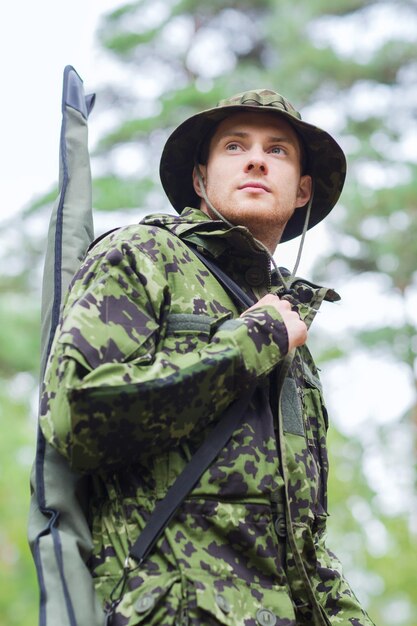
(55, 533)
(230, 285)
(206, 453)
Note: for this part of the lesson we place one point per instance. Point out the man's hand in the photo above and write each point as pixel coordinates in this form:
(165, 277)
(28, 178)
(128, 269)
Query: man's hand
(296, 329)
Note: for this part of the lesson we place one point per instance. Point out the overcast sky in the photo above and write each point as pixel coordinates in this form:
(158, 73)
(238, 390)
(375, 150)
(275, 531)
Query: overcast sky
(37, 40)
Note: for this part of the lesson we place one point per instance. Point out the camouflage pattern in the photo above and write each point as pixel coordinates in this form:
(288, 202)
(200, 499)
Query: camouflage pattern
(326, 161)
(149, 353)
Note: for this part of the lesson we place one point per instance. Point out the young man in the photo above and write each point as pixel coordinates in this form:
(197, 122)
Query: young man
(151, 352)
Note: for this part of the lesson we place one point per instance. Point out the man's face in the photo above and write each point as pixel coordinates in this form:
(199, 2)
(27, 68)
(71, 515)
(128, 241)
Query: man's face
(253, 174)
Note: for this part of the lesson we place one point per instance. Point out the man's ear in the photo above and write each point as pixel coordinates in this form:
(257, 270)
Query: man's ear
(196, 182)
(305, 189)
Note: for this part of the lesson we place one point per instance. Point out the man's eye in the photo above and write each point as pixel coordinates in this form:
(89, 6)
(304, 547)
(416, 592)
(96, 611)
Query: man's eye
(277, 150)
(232, 146)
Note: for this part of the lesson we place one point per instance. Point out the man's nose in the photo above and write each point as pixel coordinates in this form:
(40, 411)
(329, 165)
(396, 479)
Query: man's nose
(256, 163)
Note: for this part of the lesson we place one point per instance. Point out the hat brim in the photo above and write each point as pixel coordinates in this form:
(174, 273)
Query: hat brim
(326, 162)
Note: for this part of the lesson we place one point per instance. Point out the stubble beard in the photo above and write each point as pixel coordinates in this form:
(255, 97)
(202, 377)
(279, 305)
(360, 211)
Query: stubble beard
(265, 224)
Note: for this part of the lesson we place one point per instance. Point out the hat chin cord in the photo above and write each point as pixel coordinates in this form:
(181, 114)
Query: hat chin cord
(303, 236)
(207, 201)
(287, 284)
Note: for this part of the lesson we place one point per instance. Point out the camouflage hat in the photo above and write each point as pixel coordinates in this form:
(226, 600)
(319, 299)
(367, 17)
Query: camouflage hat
(326, 162)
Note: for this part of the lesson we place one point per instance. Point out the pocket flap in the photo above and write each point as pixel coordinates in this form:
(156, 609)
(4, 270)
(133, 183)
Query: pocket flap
(147, 599)
(233, 602)
(229, 601)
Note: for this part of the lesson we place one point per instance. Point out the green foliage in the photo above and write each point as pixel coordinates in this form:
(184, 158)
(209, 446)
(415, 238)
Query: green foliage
(18, 590)
(373, 544)
(112, 193)
(123, 43)
(19, 329)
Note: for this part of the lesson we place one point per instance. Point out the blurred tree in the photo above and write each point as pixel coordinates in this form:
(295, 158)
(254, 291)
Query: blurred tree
(349, 66)
(19, 358)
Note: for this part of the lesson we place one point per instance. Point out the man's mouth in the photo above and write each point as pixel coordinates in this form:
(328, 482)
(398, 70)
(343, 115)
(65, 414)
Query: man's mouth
(255, 186)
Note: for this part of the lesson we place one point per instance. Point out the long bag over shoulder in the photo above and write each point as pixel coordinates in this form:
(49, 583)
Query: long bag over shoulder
(58, 532)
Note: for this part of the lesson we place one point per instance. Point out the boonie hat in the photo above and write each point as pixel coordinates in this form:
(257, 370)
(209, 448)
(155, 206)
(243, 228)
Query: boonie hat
(326, 162)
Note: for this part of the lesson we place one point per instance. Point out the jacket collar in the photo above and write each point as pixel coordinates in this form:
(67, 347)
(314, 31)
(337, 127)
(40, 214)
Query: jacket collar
(212, 235)
(237, 253)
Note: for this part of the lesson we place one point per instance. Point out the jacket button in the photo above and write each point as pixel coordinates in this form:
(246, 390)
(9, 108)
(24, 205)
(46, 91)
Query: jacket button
(281, 526)
(254, 276)
(144, 603)
(223, 603)
(266, 618)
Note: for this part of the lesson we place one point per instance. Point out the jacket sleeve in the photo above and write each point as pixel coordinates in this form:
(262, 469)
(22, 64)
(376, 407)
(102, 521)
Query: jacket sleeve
(114, 386)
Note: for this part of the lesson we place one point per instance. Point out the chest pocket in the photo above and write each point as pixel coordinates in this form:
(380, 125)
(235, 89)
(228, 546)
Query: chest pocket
(316, 424)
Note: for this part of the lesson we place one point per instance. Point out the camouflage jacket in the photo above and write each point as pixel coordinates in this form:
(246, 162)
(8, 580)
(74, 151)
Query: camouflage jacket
(149, 353)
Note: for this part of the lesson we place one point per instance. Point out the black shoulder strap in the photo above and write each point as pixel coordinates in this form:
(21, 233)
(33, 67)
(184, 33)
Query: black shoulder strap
(204, 456)
(230, 285)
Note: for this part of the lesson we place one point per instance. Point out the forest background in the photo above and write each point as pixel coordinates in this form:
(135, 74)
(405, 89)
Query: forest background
(350, 67)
